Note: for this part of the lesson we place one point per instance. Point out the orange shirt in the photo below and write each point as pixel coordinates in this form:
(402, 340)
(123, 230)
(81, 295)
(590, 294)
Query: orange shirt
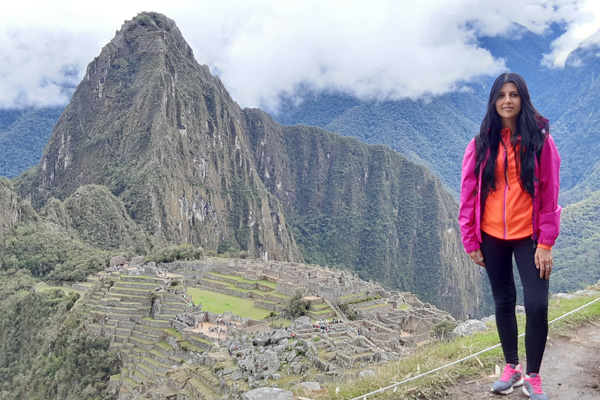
(508, 210)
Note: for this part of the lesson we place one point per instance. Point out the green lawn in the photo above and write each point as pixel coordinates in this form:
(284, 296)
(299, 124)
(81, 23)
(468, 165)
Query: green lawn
(270, 284)
(218, 303)
(41, 286)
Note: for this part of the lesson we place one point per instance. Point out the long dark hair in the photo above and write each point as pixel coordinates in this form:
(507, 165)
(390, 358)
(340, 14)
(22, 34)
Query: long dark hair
(531, 126)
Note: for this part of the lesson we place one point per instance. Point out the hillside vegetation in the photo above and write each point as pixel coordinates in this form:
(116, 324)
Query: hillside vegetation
(578, 250)
(45, 353)
(23, 135)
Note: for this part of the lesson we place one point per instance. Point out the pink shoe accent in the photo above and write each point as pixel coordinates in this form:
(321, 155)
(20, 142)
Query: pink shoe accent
(509, 372)
(536, 383)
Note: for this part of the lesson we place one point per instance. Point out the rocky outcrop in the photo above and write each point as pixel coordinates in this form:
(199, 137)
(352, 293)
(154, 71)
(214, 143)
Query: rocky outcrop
(469, 327)
(13, 209)
(166, 138)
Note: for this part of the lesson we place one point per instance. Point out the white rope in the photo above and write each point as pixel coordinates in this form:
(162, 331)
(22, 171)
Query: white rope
(381, 390)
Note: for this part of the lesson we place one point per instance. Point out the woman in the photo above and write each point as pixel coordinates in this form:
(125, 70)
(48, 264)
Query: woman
(509, 206)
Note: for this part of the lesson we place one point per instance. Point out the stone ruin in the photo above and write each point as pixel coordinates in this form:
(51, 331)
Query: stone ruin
(169, 346)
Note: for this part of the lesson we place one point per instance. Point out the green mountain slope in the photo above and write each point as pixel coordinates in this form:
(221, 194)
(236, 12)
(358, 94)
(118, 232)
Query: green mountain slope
(578, 249)
(434, 133)
(368, 208)
(23, 135)
(46, 354)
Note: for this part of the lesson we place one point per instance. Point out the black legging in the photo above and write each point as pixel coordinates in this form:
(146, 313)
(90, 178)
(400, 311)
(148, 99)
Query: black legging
(497, 255)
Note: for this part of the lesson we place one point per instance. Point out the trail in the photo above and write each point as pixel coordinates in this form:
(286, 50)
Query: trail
(571, 369)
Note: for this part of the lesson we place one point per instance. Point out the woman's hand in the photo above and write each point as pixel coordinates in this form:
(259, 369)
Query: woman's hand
(477, 257)
(543, 262)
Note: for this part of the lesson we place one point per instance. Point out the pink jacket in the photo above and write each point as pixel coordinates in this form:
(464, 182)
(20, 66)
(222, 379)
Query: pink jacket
(546, 211)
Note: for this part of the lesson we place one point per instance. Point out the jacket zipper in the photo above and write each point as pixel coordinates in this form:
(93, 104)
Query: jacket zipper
(506, 187)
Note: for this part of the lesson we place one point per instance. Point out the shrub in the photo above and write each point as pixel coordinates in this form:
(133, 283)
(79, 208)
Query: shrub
(297, 306)
(174, 253)
(443, 331)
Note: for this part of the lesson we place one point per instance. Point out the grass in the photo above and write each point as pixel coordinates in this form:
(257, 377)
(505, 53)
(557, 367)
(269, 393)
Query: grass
(41, 286)
(373, 306)
(164, 345)
(437, 354)
(232, 286)
(325, 311)
(272, 285)
(351, 296)
(280, 295)
(173, 332)
(218, 303)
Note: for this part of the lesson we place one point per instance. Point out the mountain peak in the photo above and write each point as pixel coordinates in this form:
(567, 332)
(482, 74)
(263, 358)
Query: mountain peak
(150, 32)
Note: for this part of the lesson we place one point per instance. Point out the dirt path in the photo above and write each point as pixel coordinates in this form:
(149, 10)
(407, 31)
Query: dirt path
(571, 370)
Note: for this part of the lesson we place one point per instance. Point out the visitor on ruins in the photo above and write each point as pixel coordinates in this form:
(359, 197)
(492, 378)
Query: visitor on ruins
(509, 206)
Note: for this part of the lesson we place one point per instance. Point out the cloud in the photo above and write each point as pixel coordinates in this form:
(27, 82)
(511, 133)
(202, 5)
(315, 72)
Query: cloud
(582, 20)
(381, 49)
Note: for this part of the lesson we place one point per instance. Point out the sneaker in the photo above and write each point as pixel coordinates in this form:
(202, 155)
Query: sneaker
(511, 376)
(533, 387)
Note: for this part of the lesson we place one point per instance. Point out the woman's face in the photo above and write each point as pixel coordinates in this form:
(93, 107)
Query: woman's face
(508, 103)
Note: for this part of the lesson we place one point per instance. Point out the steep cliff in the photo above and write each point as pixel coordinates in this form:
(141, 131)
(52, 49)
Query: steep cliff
(368, 207)
(165, 137)
(13, 209)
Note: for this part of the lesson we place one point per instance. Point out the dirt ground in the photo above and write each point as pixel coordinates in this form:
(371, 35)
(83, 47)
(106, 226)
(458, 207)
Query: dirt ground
(571, 370)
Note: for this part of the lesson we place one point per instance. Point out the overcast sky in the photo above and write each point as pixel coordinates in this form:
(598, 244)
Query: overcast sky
(381, 49)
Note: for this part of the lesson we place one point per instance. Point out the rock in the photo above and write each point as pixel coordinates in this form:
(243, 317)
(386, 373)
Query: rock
(291, 356)
(469, 327)
(279, 335)
(266, 393)
(491, 318)
(310, 386)
(367, 373)
(268, 360)
(209, 361)
(301, 324)
(586, 293)
(296, 368)
(262, 339)
(227, 371)
(302, 347)
(563, 296)
(237, 376)
(279, 349)
(246, 364)
(276, 377)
